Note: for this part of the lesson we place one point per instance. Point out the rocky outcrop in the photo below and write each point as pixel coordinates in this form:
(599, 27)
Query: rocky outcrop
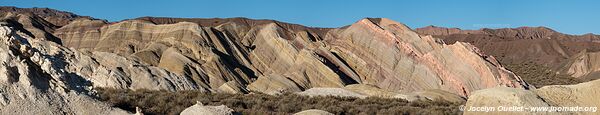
(313, 112)
(585, 65)
(35, 76)
(372, 57)
(389, 55)
(239, 55)
(31, 25)
(490, 101)
(537, 45)
(211, 56)
(571, 96)
(55, 17)
(182, 48)
(582, 95)
(38, 23)
(100, 69)
(200, 109)
(382, 53)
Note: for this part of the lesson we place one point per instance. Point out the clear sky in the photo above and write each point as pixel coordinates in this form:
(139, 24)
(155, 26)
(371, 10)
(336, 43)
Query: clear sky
(567, 16)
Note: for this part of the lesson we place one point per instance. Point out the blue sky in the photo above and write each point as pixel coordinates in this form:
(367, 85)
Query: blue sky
(572, 17)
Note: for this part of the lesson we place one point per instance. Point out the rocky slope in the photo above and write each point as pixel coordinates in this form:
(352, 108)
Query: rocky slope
(517, 45)
(275, 57)
(538, 45)
(39, 74)
(37, 22)
(579, 95)
(55, 17)
(238, 55)
(584, 65)
(61, 56)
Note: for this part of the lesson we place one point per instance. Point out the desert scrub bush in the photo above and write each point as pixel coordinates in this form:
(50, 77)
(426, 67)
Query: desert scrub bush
(538, 75)
(171, 103)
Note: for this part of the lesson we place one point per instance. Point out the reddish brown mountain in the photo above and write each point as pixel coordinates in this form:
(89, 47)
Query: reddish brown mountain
(540, 46)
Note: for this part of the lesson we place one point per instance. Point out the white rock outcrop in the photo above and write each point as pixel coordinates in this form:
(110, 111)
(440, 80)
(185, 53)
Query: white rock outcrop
(313, 112)
(580, 95)
(31, 78)
(200, 109)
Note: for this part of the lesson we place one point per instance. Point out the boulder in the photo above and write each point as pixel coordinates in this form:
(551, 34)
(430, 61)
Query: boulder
(199, 109)
(313, 112)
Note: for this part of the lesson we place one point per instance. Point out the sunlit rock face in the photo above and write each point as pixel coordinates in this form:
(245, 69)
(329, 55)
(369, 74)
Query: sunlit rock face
(44, 75)
(578, 95)
(391, 56)
(276, 57)
(564, 54)
(239, 55)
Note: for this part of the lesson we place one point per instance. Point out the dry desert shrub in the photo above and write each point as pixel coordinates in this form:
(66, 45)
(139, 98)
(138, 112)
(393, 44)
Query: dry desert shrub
(538, 75)
(171, 103)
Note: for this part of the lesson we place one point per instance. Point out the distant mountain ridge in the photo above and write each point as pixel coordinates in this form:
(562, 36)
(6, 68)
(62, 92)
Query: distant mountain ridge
(539, 45)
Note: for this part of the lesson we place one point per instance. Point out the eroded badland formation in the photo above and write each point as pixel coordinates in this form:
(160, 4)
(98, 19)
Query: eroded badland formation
(54, 61)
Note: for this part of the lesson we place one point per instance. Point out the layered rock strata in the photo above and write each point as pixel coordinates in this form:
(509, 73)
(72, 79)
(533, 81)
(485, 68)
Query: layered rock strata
(41, 74)
(239, 55)
(540, 45)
